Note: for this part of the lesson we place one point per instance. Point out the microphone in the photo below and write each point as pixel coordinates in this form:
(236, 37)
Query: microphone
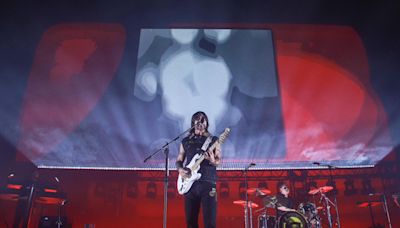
(324, 164)
(250, 165)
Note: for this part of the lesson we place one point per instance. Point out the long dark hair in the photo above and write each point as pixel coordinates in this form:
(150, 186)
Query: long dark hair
(199, 116)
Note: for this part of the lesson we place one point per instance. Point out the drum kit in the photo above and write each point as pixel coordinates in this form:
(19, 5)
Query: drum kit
(306, 216)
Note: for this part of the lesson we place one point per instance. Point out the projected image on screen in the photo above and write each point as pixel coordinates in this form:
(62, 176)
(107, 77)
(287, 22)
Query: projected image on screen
(229, 74)
(292, 95)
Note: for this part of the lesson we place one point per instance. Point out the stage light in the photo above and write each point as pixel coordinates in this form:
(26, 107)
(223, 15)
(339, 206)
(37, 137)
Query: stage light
(132, 190)
(151, 190)
(224, 190)
(349, 188)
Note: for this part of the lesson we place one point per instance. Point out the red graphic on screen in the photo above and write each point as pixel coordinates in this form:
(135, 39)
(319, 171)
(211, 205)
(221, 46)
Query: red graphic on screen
(326, 95)
(71, 70)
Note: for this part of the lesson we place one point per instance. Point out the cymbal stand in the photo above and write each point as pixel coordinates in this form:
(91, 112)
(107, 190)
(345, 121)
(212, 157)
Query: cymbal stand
(386, 209)
(251, 213)
(246, 210)
(246, 207)
(334, 196)
(330, 167)
(371, 213)
(328, 203)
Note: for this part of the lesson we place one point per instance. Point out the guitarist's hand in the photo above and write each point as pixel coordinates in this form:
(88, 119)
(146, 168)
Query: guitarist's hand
(184, 172)
(210, 156)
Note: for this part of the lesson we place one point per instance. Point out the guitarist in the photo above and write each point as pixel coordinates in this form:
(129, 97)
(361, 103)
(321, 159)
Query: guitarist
(203, 191)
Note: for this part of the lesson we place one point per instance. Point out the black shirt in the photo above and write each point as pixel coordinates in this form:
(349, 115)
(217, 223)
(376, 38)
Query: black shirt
(283, 201)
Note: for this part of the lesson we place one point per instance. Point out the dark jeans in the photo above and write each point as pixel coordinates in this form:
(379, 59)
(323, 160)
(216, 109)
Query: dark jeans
(204, 194)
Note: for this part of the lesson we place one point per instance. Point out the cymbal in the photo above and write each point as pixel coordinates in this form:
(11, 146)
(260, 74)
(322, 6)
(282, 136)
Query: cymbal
(258, 191)
(12, 197)
(49, 200)
(323, 189)
(9, 194)
(270, 201)
(243, 203)
(369, 203)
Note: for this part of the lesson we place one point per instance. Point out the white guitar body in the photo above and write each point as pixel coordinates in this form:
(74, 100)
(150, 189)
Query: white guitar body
(184, 184)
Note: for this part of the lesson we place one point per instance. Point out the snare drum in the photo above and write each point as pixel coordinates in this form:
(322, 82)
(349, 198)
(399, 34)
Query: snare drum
(292, 219)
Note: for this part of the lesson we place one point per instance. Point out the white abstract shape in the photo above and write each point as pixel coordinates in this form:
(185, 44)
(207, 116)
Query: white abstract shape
(184, 36)
(173, 79)
(191, 84)
(220, 35)
(146, 83)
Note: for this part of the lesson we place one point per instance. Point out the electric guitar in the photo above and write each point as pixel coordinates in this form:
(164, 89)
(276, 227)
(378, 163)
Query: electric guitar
(184, 184)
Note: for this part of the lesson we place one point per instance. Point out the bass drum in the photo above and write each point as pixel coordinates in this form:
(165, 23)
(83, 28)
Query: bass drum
(310, 212)
(292, 219)
(265, 221)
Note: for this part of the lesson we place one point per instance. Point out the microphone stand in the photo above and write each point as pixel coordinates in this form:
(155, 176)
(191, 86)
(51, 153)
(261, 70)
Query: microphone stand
(31, 197)
(165, 148)
(334, 196)
(59, 222)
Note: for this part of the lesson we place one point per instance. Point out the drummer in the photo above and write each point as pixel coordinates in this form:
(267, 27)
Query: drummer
(284, 202)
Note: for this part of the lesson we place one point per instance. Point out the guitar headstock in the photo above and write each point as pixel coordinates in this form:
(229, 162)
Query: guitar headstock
(224, 135)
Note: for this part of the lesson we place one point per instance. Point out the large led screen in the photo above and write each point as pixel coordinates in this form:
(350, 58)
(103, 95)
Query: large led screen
(292, 95)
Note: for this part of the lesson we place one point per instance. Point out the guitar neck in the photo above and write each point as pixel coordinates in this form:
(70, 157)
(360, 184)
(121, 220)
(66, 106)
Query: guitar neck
(220, 140)
(212, 147)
